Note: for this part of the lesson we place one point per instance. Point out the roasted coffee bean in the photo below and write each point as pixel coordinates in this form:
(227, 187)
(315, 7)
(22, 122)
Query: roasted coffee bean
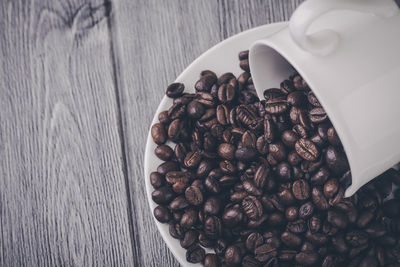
(331, 187)
(162, 214)
(253, 241)
(275, 219)
(320, 177)
(357, 238)
(226, 93)
(189, 239)
(251, 188)
(211, 260)
(243, 78)
(313, 99)
(195, 109)
(265, 252)
(297, 98)
(175, 90)
(252, 207)
(163, 117)
(317, 115)
(333, 137)
(194, 195)
(314, 223)
(174, 129)
(285, 196)
(206, 81)
(297, 227)
(232, 217)
(291, 213)
(307, 258)
(273, 93)
(222, 115)
(156, 180)
(250, 261)
(261, 175)
(195, 254)
(294, 159)
(246, 154)
(319, 199)
(158, 134)
(189, 218)
(244, 65)
(336, 160)
(269, 131)
(276, 106)
(163, 195)
(365, 218)
(301, 189)
(306, 210)
(249, 139)
(177, 111)
(289, 138)
(192, 159)
(284, 171)
(278, 151)
(179, 203)
(290, 239)
(307, 149)
(225, 78)
(316, 238)
(337, 219)
(212, 227)
(287, 87)
(164, 152)
(226, 151)
(233, 256)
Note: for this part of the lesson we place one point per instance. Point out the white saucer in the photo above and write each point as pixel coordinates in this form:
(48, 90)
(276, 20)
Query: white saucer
(221, 58)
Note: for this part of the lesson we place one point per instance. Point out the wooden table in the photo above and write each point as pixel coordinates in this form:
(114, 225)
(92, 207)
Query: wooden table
(80, 81)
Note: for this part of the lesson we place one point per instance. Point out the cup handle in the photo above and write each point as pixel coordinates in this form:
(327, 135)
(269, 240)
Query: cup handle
(325, 41)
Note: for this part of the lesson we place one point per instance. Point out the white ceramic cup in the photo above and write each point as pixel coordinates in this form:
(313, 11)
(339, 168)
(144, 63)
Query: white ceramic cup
(348, 51)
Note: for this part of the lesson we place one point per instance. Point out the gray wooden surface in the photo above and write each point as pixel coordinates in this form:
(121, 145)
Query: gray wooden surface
(80, 81)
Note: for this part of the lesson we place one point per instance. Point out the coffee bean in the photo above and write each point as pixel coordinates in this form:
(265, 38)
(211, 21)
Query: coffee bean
(261, 175)
(244, 65)
(307, 258)
(163, 117)
(206, 99)
(232, 217)
(156, 179)
(284, 171)
(251, 188)
(297, 98)
(285, 196)
(290, 239)
(253, 241)
(194, 195)
(317, 115)
(158, 134)
(331, 187)
(222, 115)
(211, 260)
(333, 137)
(195, 254)
(319, 199)
(301, 189)
(179, 203)
(289, 138)
(174, 129)
(306, 210)
(206, 81)
(212, 227)
(300, 83)
(189, 239)
(357, 238)
(294, 159)
(337, 219)
(307, 149)
(292, 213)
(336, 160)
(175, 90)
(164, 152)
(189, 218)
(313, 99)
(252, 208)
(278, 151)
(245, 154)
(249, 139)
(162, 214)
(162, 195)
(369, 261)
(233, 256)
(287, 87)
(243, 78)
(244, 54)
(195, 109)
(273, 93)
(320, 176)
(276, 106)
(297, 226)
(226, 151)
(226, 93)
(365, 218)
(192, 159)
(275, 219)
(265, 252)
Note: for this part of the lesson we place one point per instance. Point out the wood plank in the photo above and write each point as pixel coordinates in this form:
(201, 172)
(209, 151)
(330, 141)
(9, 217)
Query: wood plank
(154, 41)
(63, 199)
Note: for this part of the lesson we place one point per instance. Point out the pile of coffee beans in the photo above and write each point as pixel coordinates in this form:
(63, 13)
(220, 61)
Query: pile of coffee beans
(261, 183)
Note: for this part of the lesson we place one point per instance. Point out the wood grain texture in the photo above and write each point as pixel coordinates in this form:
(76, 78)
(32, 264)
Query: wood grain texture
(63, 198)
(154, 41)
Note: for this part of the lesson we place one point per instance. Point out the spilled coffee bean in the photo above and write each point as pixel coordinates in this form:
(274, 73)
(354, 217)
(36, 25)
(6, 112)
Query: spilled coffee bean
(261, 183)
